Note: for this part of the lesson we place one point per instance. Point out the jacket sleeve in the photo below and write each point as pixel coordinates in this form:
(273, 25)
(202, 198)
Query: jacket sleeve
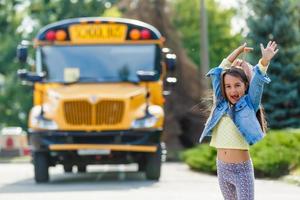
(215, 75)
(256, 86)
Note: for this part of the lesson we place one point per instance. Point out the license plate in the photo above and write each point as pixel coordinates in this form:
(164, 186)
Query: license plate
(93, 152)
(93, 33)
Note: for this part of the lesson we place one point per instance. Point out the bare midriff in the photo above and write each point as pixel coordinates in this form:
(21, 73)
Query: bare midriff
(233, 155)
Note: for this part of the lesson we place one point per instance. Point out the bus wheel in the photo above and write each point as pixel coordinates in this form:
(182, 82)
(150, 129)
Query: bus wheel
(41, 165)
(81, 168)
(68, 168)
(153, 165)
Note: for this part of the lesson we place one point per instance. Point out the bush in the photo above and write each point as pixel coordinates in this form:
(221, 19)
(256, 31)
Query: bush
(276, 155)
(201, 158)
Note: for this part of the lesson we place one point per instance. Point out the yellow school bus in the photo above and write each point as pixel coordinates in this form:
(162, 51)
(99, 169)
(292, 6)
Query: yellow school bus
(97, 95)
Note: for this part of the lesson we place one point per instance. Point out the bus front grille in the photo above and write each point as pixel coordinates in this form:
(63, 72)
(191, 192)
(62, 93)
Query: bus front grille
(109, 112)
(78, 112)
(104, 112)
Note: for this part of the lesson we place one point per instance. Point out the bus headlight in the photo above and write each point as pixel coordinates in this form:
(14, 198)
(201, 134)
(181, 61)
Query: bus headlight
(145, 122)
(43, 123)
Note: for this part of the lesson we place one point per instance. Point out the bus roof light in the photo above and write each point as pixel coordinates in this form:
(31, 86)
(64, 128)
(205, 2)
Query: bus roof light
(145, 34)
(61, 35)
(50, 35)
(135, 34)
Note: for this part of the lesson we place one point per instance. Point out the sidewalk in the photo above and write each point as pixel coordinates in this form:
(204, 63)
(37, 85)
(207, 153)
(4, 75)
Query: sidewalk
(293, 179)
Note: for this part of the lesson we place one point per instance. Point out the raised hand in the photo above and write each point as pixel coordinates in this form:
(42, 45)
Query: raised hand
(268, 53)
(238, 51)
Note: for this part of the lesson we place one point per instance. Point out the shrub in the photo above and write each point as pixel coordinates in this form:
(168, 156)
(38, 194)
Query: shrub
(201, 158)
(276, 155)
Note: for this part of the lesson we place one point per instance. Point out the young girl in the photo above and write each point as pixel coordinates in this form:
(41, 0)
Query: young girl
(234, 124)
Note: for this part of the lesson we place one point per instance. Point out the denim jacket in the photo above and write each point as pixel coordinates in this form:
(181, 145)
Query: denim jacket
(245, 109)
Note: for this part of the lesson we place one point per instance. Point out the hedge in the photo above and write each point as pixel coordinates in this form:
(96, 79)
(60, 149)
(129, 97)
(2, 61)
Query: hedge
(276, 155)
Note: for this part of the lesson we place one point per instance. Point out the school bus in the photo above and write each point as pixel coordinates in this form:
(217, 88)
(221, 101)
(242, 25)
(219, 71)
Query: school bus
(97, 94)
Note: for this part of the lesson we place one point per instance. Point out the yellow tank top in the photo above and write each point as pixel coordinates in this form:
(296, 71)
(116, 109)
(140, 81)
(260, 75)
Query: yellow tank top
(226, 135)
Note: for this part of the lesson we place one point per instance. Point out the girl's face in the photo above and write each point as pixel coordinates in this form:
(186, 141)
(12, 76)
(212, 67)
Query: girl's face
(235, 88)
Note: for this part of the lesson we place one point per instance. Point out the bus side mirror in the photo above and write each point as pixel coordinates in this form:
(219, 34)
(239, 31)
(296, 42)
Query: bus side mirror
(23, 74)
(171, 61)
(22, 51)
(147, 76)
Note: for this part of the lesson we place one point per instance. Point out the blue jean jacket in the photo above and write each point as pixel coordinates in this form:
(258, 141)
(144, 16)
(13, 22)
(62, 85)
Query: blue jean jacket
(245, 109)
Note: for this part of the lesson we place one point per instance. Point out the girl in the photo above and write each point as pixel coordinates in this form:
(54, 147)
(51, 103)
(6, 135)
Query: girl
(236, 122)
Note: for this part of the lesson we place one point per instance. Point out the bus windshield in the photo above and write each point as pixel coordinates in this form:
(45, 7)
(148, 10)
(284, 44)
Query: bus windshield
(91, 63)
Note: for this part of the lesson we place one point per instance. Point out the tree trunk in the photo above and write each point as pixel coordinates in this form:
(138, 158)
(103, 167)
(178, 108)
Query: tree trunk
(183, 123)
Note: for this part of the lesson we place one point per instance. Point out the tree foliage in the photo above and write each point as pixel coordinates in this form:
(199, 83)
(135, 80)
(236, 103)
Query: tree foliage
(16, 17)
(46, 11)
(221, 39)
(279, 20)
(13, 104)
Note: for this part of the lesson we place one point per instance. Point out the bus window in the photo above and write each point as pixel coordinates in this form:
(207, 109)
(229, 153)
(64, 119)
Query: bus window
(101, 63)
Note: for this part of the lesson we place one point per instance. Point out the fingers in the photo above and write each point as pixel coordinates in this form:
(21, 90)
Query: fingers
(237, 62)
(262, 47)
(273, 45)
(241, 48)
(248, 49)
(244, 48)
(269, 43)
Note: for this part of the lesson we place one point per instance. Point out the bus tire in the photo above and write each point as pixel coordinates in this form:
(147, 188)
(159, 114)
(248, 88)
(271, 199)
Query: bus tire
(41, 165)
(153, 165)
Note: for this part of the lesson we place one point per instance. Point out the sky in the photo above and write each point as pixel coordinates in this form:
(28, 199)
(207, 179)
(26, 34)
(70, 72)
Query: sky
(238, 22)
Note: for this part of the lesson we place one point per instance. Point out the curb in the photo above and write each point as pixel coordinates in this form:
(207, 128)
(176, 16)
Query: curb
(293, 179)
(18, 159)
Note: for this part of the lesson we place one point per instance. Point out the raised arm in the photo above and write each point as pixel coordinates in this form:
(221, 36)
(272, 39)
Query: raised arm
(260, 77)
(243, 48)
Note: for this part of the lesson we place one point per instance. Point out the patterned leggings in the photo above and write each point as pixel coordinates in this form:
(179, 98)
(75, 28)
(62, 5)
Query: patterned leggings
(236, 180)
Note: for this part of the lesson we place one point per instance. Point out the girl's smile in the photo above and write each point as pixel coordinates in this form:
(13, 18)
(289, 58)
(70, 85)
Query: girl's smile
(235, 88)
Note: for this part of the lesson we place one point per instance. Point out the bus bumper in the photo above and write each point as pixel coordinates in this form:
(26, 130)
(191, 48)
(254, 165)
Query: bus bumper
(129, 140)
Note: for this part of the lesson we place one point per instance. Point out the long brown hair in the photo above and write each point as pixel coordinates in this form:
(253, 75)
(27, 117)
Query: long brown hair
(239, 73)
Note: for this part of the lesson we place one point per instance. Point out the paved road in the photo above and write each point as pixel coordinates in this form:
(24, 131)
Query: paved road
(121, 182)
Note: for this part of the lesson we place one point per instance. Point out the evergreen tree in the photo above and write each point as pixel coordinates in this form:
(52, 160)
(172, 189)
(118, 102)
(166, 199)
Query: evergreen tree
(278, 20)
